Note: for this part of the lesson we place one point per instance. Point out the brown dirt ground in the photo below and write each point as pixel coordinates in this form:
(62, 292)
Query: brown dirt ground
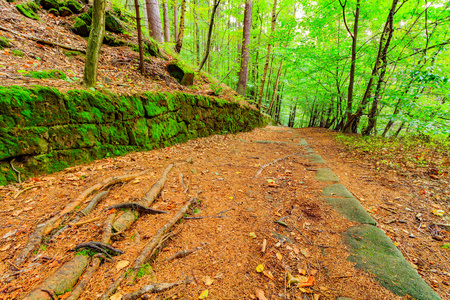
(221, 174)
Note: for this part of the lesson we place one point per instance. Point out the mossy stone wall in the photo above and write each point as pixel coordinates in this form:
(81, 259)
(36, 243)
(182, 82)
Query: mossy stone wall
(46, 131)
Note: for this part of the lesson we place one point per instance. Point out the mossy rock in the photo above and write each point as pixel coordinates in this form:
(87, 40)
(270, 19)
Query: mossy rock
(111, 24)
(74, 6)
(53, 11)
(49, 4)
(112, 41)
(29, 10)
(65, 11)
(152, 48)
(4, 43)
(183, 75)
(46, 74)
(80, 27)
(87, 17)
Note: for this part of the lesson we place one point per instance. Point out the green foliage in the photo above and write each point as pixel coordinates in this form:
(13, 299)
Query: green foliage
(28, 9)
(65, 11)
(17, 52)
(53, 11)
(74, 6)
(86, 252)
(4, 43)
(72, 53)
(144, 270)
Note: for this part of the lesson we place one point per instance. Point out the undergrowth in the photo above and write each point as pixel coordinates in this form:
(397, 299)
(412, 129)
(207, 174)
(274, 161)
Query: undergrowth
(409, 151)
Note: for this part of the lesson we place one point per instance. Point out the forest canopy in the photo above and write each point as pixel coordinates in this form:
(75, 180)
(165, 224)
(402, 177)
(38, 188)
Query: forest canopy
(366, 66)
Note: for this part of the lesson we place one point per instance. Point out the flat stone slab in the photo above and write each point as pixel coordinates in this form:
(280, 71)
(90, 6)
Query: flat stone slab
(338, 190)
(352, 209)
(325, 174)
(315, 158)
(303, 142)
(310, 150)
(374, 252)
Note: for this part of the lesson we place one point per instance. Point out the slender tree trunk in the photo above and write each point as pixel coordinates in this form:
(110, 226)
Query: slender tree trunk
(154, 20)
(208, 43)
(242, 82)
(197, 33)
(292, 116)
(175, 21)
(139, 33)
(269, 46)
(276, 87)
(374, 109)
(179, 43)
(166, 22)
(94, 43)
(257, 63)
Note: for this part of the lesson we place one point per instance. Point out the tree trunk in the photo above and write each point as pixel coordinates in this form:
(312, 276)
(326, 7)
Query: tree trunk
(179, 43)
(208, 43)
(292, 116)
(139, 33)
(269, 46)
(166, 22)
(242, 82)
(374, 109)
(275, 87)
(94, 43)
(175, 21)
(154, 20)
(354, 37)
(197, 33)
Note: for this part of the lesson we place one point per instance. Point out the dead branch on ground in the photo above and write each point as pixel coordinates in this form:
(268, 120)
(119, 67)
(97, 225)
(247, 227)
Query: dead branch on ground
(155, 288)
(137, 207)
(183, 253)
(271, 163)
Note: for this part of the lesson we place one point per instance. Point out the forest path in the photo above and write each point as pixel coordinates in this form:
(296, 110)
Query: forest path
(265, 185)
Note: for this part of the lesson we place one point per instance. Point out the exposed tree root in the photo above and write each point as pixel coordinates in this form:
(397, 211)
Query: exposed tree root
(100, 248)
(53, 223)
(95, 262)
(24, 190)
(42, 41)
(271, 163)
(137, 207)
(149, 249)
(155, 288)
(124, 221)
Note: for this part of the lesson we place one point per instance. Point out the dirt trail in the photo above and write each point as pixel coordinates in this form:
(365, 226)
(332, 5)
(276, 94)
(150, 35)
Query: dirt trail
(237, 210)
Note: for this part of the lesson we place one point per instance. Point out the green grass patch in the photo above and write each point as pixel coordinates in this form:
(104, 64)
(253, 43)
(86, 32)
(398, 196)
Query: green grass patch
(45, 74)
(29, 9)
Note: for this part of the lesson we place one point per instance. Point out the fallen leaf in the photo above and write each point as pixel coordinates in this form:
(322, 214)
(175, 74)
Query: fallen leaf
(260, 294)
(316, 296)
(438, 212)
(259, 268)
(207, 280)
(252, 235)
(17, 212)
(313, 272)
(204, 294)
(136, 181)
(305, 252)
(279, 256)
(302, 271)
(122, 264)
(296, 251)
(9, 233)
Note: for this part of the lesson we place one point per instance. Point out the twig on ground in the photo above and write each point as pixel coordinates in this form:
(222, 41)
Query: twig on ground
(155, 288)
(84, 222)
(183, 253)
(15, 170)
(24, 190)
(303, 235)
(271, 163)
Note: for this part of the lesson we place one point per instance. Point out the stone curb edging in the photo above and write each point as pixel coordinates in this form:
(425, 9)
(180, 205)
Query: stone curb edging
(371, 249)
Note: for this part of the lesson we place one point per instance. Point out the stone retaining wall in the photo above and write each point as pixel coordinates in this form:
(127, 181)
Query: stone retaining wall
(46, 131)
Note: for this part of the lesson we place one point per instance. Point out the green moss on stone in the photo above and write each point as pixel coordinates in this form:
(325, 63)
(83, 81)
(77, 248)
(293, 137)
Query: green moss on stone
(28, 9)
(65, 11)
(74, 6)
(87, 17)
(80, 27)
(50, 4)
(45, 74)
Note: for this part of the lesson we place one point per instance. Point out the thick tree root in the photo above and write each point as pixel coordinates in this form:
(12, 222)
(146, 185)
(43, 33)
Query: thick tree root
(148, 249)
(137, 207)
(100, 248)
(155, 288)
(53, 223)
(124, 221)
(95, 262)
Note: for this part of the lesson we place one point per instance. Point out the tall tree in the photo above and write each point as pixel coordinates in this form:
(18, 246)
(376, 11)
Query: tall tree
(211, 26)
(269, 46)
(166, 22)
(139, 33)
(154, 20)
(94, 43)
(180, 36)
(175, 20)
(242, 82)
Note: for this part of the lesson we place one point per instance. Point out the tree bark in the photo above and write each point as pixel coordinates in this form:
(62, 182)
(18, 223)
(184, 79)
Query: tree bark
(208, 43)
(175, 20)
(374, 109)
(242, 82)
(154, 20)
(166, 22)
(275, 88)
(139, 33)
(180, 36)
(94, 44)
(269, 46)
